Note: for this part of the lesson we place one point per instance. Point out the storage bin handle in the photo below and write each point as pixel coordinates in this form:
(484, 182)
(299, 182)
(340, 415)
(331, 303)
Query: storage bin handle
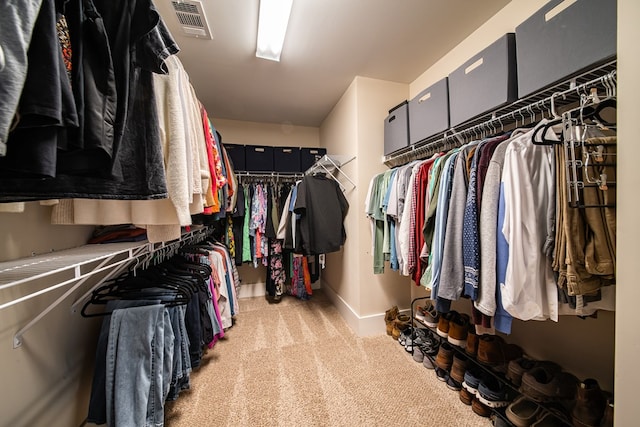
(424, 97)
(564, 4)
(392, 118)
(475, 65)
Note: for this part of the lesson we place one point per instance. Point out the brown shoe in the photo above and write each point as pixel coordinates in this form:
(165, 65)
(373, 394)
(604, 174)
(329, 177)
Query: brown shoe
(459, 367)
(443, 323)
(480, 408)
(466, 396)
(458, 329)
(389, 316)
(400, 324)
(590, 404)
(472, 342)
(492, 350)
(444, 359)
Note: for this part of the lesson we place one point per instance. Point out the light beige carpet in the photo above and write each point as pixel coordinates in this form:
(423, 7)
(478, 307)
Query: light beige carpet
(297, 363)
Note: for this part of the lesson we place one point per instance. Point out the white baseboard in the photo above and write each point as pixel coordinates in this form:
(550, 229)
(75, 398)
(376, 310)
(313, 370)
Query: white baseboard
(251, 290)
(363, 326)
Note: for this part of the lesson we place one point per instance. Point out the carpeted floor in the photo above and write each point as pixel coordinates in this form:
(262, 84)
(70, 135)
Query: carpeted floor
(297, 363)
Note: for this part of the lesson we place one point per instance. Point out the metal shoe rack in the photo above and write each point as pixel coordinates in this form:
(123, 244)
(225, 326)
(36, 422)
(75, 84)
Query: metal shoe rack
(513, 390)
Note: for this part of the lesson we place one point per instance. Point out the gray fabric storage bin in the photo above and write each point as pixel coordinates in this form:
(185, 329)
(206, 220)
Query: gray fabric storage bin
(429, 112)
(486, 81)
(551, 48)
(396, 128)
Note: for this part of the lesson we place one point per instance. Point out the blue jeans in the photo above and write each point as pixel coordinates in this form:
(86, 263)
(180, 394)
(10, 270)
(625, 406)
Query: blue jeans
(97, 401)
(139, 364)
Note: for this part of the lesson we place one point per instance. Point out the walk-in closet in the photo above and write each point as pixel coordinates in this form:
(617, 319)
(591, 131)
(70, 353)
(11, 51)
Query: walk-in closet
(388, 213)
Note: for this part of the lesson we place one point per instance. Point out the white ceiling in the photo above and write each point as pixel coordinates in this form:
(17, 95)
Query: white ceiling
(328, 43)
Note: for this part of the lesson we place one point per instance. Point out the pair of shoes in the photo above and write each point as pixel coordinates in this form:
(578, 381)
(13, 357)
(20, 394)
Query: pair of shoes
(547, 382)
(590, 404)
(522, 412)
(443, 323)
(389, 317)
(400, 323)
(494, 351)
(428, 315)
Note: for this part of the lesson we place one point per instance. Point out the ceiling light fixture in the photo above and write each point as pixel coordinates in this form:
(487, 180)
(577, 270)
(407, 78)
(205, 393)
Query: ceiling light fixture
(272, 27)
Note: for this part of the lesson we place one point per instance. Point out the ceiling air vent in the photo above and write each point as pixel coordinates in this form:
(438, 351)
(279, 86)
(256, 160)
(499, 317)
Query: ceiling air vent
(191, 17)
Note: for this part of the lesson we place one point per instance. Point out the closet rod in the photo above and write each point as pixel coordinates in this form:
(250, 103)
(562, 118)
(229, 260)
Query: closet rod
(543, 104)
(277, 175)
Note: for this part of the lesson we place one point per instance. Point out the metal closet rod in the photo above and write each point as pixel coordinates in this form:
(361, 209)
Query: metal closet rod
(545, 106)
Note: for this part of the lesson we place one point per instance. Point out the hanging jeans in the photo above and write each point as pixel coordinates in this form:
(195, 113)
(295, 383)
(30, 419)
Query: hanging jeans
(139, 365)
(97, 401)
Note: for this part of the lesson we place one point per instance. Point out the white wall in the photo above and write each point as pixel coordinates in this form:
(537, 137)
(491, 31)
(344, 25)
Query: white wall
(355, 127)
(627, 376)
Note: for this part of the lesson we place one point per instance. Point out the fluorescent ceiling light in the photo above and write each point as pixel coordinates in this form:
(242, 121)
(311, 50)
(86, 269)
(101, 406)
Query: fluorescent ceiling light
(272, 27)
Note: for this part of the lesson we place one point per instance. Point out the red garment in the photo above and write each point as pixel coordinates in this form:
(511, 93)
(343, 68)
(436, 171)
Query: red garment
(416, 238)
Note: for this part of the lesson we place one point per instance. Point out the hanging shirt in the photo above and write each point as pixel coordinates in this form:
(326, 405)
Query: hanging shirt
(322, 208)
(528, 178)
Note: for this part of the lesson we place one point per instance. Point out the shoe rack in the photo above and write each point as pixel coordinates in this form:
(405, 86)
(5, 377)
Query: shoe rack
(512, 389)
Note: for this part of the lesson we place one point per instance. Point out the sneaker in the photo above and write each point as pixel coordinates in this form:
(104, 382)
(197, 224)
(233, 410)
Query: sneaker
(418, 355)
(453, 384)
(405, 335)
(459, 367)
(458, 329)
(427, 362)
(546, 382)
(472, 379)
(493, 393)
(466, 396)
(444, 359)
(590, 404)
(443, 323)
(442, 374)
(431, 316)
(522, 412)
(517, 368)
